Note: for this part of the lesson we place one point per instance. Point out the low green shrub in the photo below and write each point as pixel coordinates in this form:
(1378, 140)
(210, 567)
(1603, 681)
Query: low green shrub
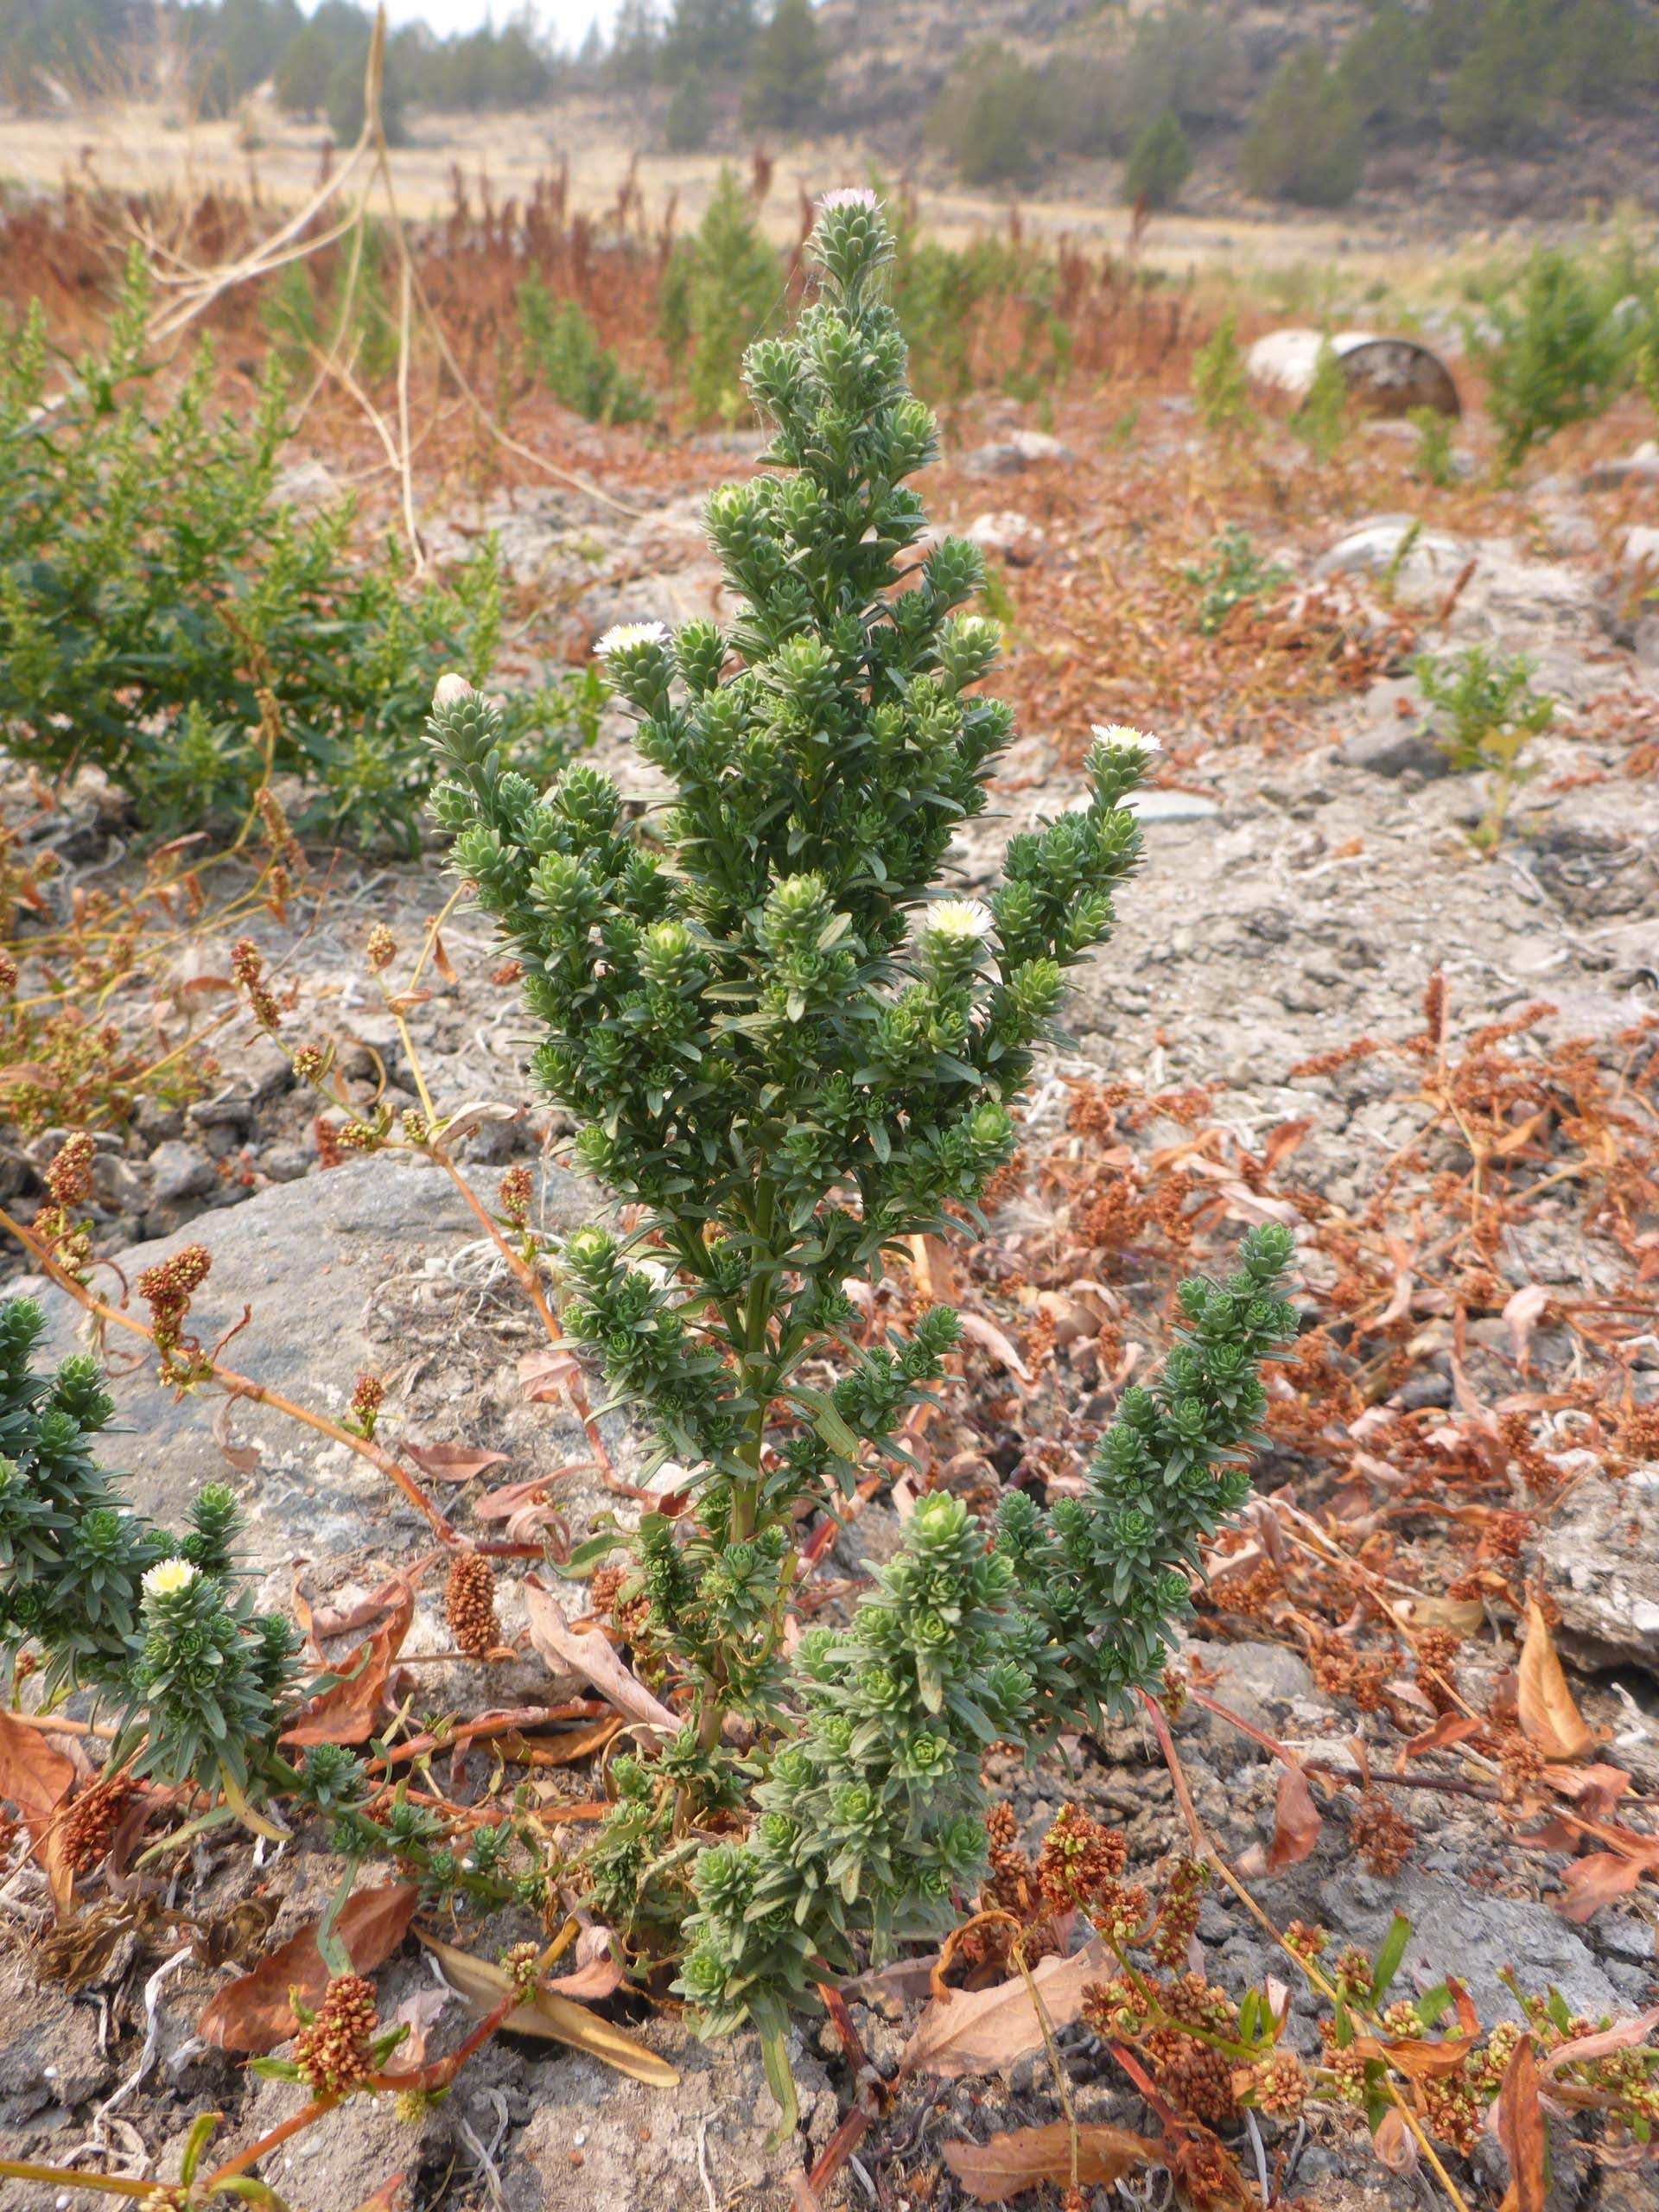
(1161, 164)
(163, 617)
(994, 119)
(1221, 385)
(1232, 572)
(689, 118)
(1321, 420)
(1304, 142)
(565, 350)
(787, 1054)
(1493, 712)
(161, 1628)
(722, 287)
(1556, 348)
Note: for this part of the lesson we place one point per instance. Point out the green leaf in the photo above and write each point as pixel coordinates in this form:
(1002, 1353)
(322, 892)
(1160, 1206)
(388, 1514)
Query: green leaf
(772, 2025)
(827, 1421)
(1388, 1958)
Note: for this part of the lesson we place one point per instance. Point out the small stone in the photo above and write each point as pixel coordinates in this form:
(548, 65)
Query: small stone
(1397, 749)
(1008, 456)
(178, 1172)
(1600, 1561)
(1173, 806)
(1013, 537)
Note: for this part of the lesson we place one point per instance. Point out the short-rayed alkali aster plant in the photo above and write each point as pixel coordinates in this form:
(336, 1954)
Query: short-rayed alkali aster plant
(790, 1047)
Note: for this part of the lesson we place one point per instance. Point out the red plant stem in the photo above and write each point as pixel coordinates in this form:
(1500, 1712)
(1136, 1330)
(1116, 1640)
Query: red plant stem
(277, 2136)
(1184, 1796)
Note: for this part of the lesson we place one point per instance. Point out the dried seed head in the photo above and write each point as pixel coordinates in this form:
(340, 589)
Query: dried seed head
(90, 1826)
(381, 949)
(521, 1962)
(69, 1178)
(335, 2053)
(469, 1605)
(368, 1396)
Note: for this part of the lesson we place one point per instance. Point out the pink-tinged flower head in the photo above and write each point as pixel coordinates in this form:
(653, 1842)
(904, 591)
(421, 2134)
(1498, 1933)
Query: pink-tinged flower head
(849, 195)
(451, 690)
(1125, 739)
(626, 637)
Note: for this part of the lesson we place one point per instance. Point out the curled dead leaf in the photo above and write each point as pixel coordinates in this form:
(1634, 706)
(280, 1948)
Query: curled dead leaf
(593, 1657)
(451, 1463)
(1548, 1715)
(346, 1713)
(1296, 1821)
(1030, 2157)
(551, 2018)
(253, 2013)
(979, 2031)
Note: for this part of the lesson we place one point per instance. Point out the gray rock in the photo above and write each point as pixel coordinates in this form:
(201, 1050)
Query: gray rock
(1427, 570)
(1601, 1564)
(598, 2139)
(1458, 1931)
(180, 1170)
(1007, 456)
(1394, 749)
(1173, 806)
(1641, 467)
(305, 1257)
(1260, 1682)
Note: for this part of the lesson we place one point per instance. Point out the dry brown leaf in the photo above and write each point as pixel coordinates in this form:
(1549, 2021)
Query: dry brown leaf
(546, 1375)
(991, 1339)
(1522, 1313)
(1395, 2144)
(570, 1746)
(1296, 1821)
(551, 2018)
(451, 1463)
(1548, 1715)
(1029, 2157)
(472, 1116)
(420, 2013)
(1521, 2130)
(591, 1657)
(254, 2014)
(346, 1713)
(1626, 2035)
(1599, 1879)
(243, 1457)
(976, 2032)
(385, 2197)
(36, 1778)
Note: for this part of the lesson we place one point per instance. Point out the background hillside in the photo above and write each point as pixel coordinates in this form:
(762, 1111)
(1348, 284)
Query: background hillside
(1435, 116)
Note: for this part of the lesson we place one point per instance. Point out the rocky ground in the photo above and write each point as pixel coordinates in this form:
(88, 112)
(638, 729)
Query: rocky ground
(1309, 869)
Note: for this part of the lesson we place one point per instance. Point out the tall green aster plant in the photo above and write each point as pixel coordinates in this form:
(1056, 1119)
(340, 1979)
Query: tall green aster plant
(788, 1050)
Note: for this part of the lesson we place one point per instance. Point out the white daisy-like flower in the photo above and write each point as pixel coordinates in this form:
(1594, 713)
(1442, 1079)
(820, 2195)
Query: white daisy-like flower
(1120, 735)
(962, 920)
(849, 195)
(625, 636)
(451, 690)
(168, 1577)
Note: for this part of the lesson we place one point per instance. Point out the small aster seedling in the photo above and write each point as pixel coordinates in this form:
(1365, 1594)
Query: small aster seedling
(790, 1047)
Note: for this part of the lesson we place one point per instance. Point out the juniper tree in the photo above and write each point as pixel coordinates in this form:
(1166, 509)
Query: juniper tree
(788, 1048)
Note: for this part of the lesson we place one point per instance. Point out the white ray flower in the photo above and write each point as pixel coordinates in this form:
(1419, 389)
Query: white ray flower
(1120, 735)
(848, 195)
(962, 921)
(167, 1578)
(624, 636)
